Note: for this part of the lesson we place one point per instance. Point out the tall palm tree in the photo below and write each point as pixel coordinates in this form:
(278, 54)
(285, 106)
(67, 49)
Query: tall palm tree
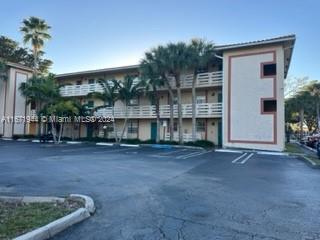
(177, 63)
(152, 80)
(109, 96)
(201, 54)
(128, 90)
(36, 32)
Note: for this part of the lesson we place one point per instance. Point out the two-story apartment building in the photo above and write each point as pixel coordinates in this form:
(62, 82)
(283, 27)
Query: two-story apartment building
(240, 99)
(13, 107)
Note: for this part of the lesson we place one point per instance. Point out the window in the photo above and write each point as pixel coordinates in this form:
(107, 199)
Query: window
(91, 81)
(201, 125)
(269, 106)
(201, 99)
(132, 127)
(202, 70)
(90, 104)
(79, 82)
(269, 69)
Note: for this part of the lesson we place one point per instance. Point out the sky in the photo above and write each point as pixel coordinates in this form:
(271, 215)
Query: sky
(95, 34)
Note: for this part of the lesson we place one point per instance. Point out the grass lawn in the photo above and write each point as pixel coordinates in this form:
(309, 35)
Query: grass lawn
(293, 148)
(19, 218)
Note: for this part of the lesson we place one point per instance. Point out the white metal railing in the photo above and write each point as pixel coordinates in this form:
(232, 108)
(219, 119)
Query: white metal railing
(203, 110)
(203, 80)
(187, 137)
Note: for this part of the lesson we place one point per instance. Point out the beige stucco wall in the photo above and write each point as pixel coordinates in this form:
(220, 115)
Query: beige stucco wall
(249, 128)
(13, 103)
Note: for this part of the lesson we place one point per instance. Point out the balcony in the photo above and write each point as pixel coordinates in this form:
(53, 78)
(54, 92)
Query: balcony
(209, 79)
(204, 110)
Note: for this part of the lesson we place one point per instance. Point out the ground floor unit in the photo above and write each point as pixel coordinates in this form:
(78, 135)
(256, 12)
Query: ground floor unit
(143, 129)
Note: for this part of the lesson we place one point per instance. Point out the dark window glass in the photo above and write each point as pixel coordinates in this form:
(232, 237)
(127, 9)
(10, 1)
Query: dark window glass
(269, 106)
(269, 69)
(91, 81)
(79, 82)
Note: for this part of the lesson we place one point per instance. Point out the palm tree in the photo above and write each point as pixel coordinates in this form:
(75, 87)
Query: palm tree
(35, 32)
(60, 108)
(152, 81)
(109, 96)
(177, 63)
(160, 57)
(42, 91)
(128, 90)
(201, 54)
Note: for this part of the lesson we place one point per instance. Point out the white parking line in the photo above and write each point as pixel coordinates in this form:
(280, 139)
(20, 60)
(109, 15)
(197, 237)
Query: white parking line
(193, 154)
(246, 159)
(238, 158)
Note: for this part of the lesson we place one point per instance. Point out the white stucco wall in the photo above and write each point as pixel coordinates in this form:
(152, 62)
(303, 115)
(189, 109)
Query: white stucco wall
(244, 125)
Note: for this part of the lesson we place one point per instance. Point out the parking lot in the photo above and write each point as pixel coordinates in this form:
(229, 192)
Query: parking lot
(170, 193)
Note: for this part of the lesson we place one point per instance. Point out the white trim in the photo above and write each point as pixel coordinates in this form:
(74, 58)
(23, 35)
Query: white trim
(104, 144)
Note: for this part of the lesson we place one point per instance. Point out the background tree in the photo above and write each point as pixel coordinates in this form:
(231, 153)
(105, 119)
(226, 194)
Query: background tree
(36, 32)
(10, 51)
(109, 96)
(201, 53)
(314, 89)
(3, 74)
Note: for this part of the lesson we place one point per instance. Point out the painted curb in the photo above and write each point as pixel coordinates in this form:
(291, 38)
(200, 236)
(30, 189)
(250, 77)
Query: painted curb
(35, 141)
(228, 151)
(272, 153)
(104, 144)
(23, 140)
(129, 145)
(74, 142)
(51, 229)
(309, 148)
(89, 203)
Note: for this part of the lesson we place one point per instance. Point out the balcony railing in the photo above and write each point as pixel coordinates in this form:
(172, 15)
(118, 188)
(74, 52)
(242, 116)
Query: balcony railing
(187, 137)
(203, 80)
(203, 110)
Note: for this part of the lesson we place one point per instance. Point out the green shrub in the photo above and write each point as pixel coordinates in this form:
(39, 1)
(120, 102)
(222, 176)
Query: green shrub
(201, 143)
(26, 136)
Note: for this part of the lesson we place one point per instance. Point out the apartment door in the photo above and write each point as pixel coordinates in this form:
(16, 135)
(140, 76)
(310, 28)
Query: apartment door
(153, 131)
(89, 130)
(220, 132)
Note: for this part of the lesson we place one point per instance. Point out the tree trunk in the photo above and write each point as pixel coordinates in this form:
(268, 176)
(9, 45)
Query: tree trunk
(125, 122)
(171, 97)
(158, 115)
(35, 61)
(179, 109)
(60, 132)
(114, 125)
(54, 130)
(194, 102)
(301, 113)
(38, 107)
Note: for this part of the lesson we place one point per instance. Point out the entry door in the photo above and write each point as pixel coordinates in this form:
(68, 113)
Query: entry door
(153, 131)
(220, 132)
(89, 130)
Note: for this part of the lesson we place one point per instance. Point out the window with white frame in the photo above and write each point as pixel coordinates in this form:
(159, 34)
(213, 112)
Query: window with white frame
(201, 99)
(201, 125)
(132, 126)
